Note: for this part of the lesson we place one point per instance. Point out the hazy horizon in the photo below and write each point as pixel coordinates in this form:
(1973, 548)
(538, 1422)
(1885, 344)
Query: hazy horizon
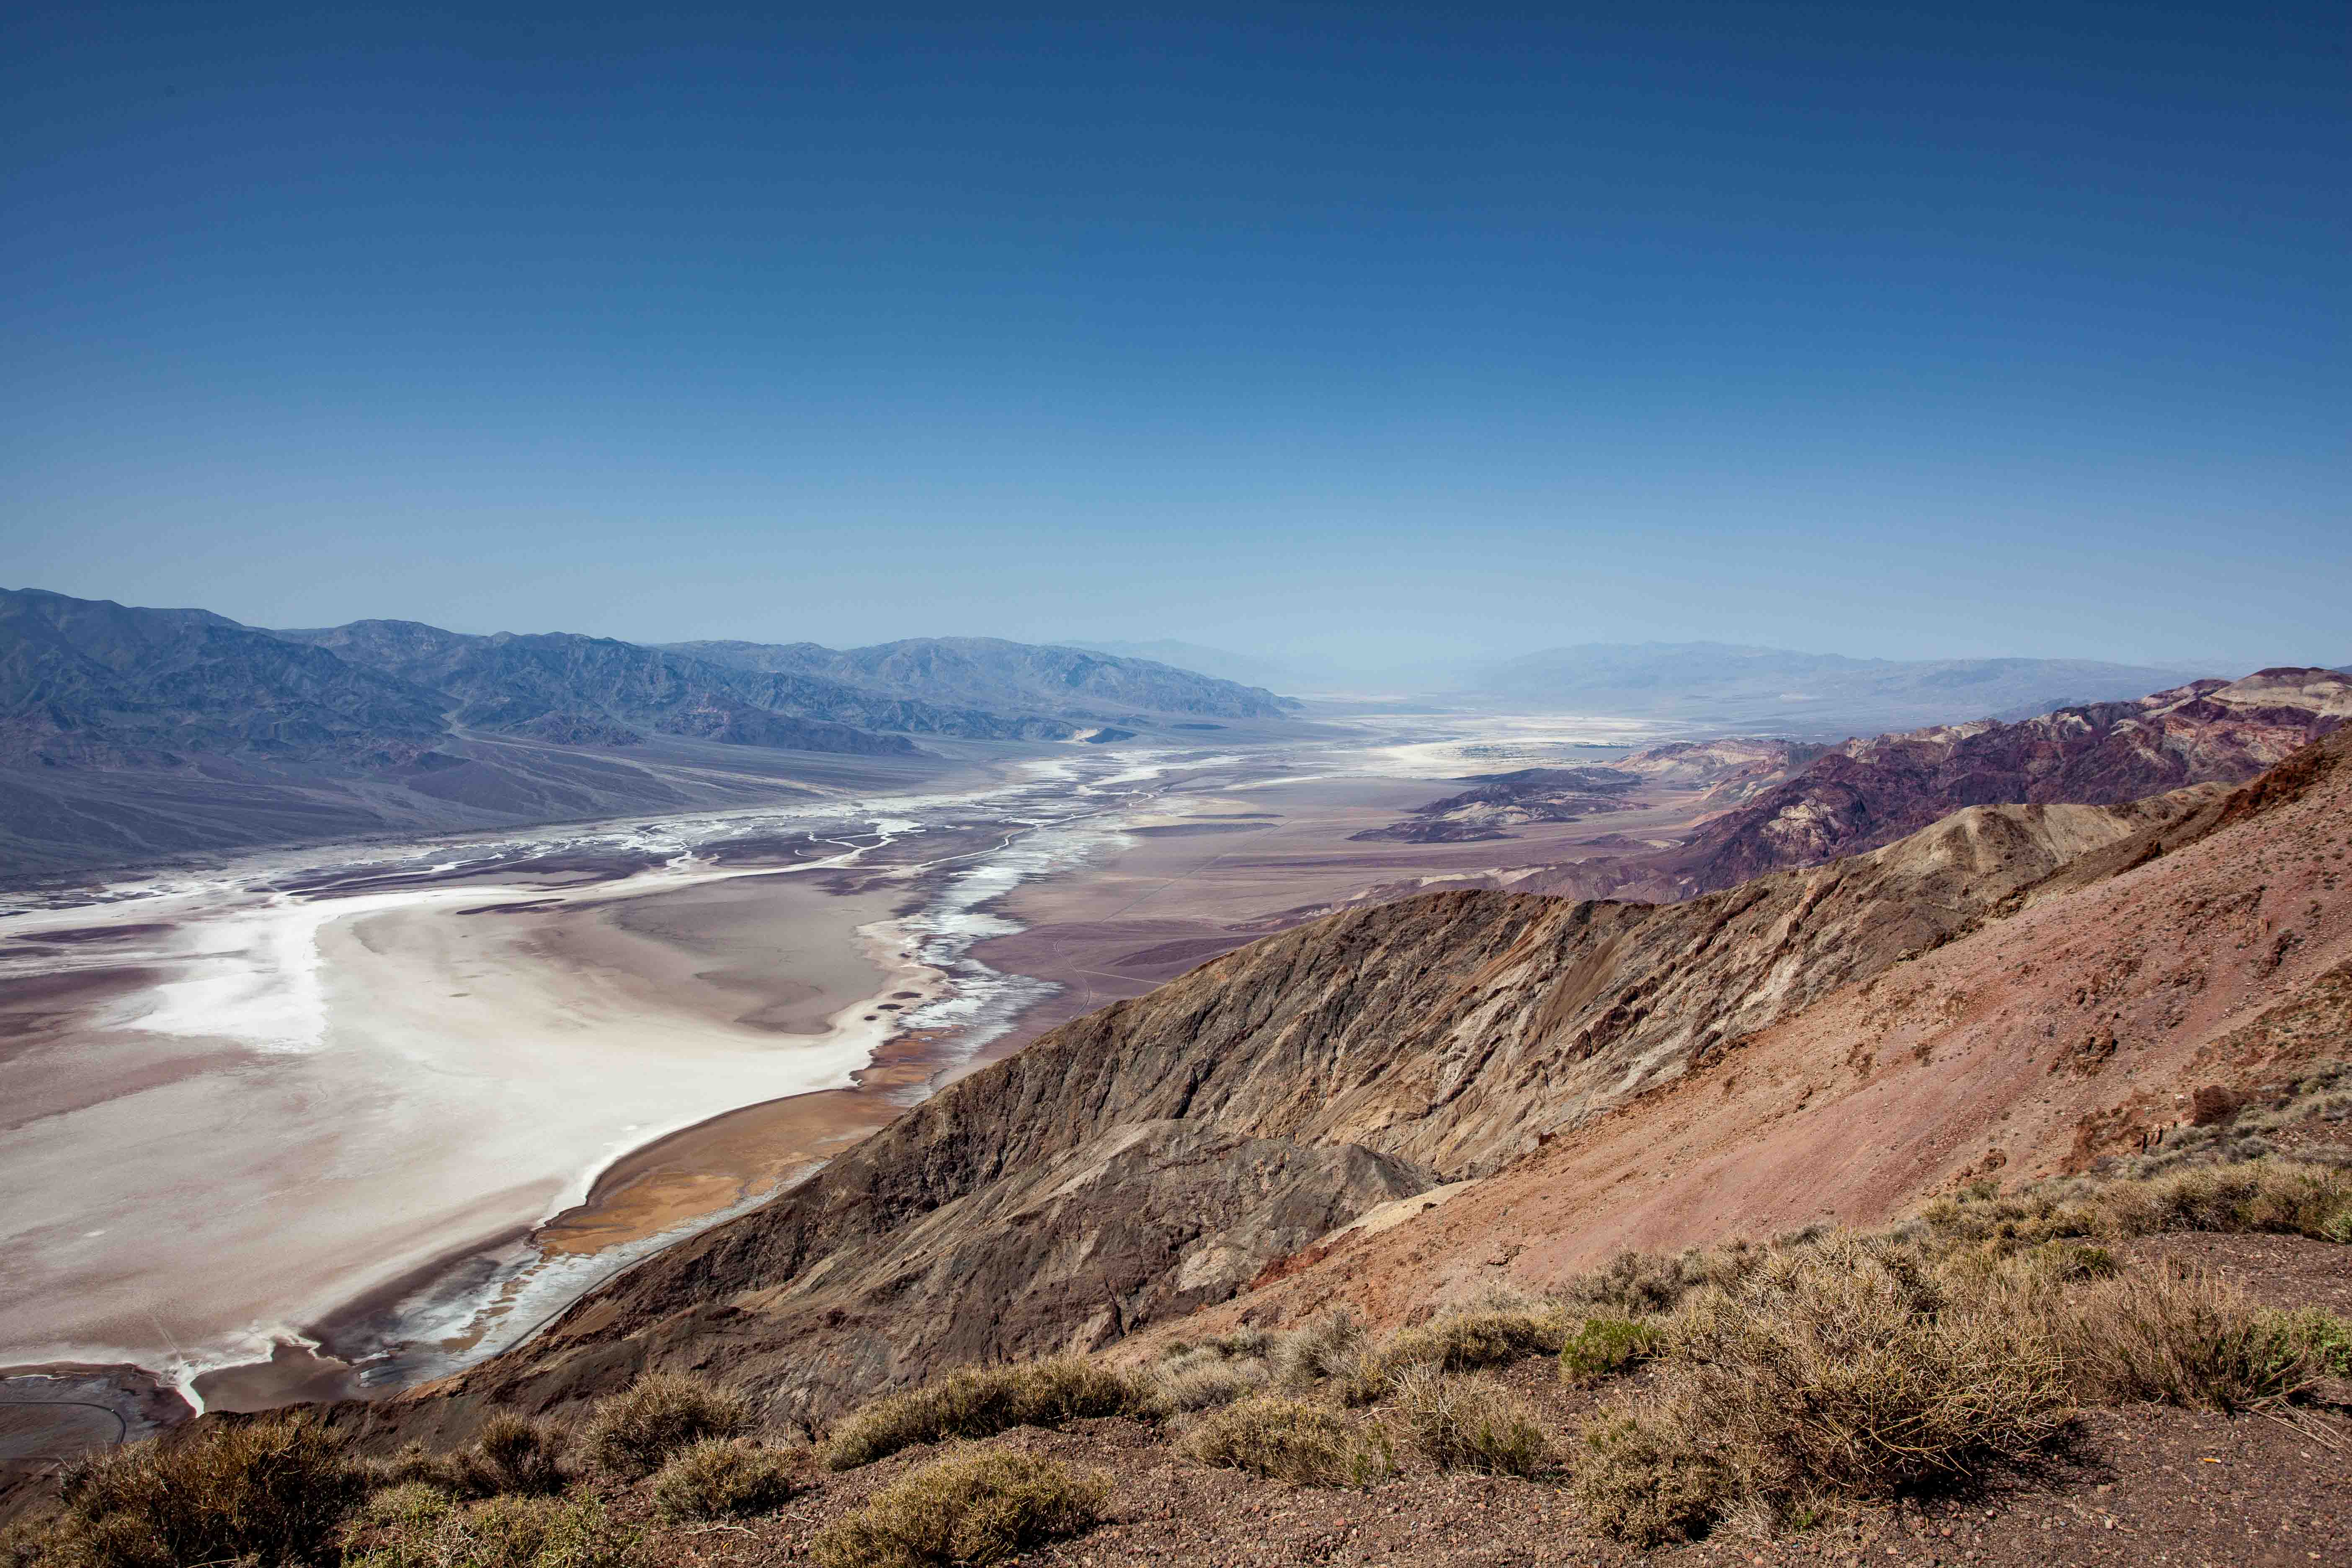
(1335, 337)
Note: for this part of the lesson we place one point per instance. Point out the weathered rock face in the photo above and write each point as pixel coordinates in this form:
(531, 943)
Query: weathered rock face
(1150, 1158)
(1140, 1224)
(1868, 792)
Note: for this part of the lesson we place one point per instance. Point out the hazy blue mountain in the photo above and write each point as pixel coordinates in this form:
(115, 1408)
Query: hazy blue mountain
(91, 682)
(988, 672)
(1803, 693)
(1246, 668)
(598, 691)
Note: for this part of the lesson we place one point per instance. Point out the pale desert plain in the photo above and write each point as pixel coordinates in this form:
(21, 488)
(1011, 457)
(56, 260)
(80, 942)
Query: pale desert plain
(326, 1122)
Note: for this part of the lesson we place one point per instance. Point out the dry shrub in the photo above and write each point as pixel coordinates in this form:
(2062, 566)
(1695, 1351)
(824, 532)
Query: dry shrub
(1643, 1284)
(512, 1455)
(632, 1433)
(1603, 1347)
(2177, 1335)
(1471, 1424)
(420, 1526)
(1331, 1346)
(980, 1401)
(1641, 1479)
(2325, 1338)
(723, 1477)
(968, 1508)
(1842, 1370)
(1203, 1379)
(270, 1490)
(2272, 1195)
(1847, 1370)
(2281, 1197)
(1293, 1440)
(1465, 1342)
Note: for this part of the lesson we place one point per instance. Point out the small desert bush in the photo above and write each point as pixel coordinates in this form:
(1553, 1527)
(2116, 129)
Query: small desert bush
(634, 1434)
(1603, 1347)
(1471, 1423)
(1331, 1346)
(980, 1401)
(420, 1526)
(512, 1455)
(722, 1477)
(1643, 1284)
(2280, 1197)
(968, 1508)
(1293, 1440)
(1463, 1342)
(1242, 1344)
(1643, 1480)
(1845, 1368)
(270, 1490)
(2324, 1337)
(1202, 1379)
(2177, 1335)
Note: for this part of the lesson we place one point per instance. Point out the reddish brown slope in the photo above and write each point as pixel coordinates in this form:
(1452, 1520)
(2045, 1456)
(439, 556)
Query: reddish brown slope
(2035, 1043)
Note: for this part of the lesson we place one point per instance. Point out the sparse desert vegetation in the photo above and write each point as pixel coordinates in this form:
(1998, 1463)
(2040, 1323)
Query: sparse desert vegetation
(1771, 1388)
(980, 1402)
(634, 1434)
(968, 1508)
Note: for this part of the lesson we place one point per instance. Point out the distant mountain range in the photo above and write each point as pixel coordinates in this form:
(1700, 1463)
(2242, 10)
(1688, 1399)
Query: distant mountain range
(127, 734)
(1251, 670)
(1815, 696)
(987, 672)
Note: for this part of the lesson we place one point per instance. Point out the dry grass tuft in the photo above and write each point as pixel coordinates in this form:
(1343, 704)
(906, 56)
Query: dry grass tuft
(512, 1456)
(2280, 1197)
(980, 1401)
(1331, 1346)
(2177, 1335)
(420, 1526)
(1643, 1284)
(634, 1434)
(1845, 1368)
(1640, 1480)
(1465, 1342)
(1202, 1379)
(1293, 1440)
(971, 1507)
(1472, 1423)
(266, 1491)
(723, 1477)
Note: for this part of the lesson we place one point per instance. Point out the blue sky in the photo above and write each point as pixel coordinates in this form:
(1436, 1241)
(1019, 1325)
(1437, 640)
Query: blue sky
(1871, 329)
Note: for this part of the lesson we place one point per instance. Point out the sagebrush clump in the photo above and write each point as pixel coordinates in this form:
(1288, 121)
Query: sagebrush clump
(968, 1508)
(1843, 1370)
(632, 1433)
(1293, 1440)
(1472, 1423)
(1603, 1347)
(1461, 1343)
(980, 1401)
(723, 1477)
(271, 1491)
(418, 1526)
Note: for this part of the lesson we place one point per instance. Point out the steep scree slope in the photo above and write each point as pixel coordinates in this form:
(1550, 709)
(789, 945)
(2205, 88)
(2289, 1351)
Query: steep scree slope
(1438, 1038)
(2212, 953)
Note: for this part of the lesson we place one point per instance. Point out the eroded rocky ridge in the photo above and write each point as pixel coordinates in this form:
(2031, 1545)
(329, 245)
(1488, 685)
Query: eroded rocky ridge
(1158, 1155)
(1867, 792)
